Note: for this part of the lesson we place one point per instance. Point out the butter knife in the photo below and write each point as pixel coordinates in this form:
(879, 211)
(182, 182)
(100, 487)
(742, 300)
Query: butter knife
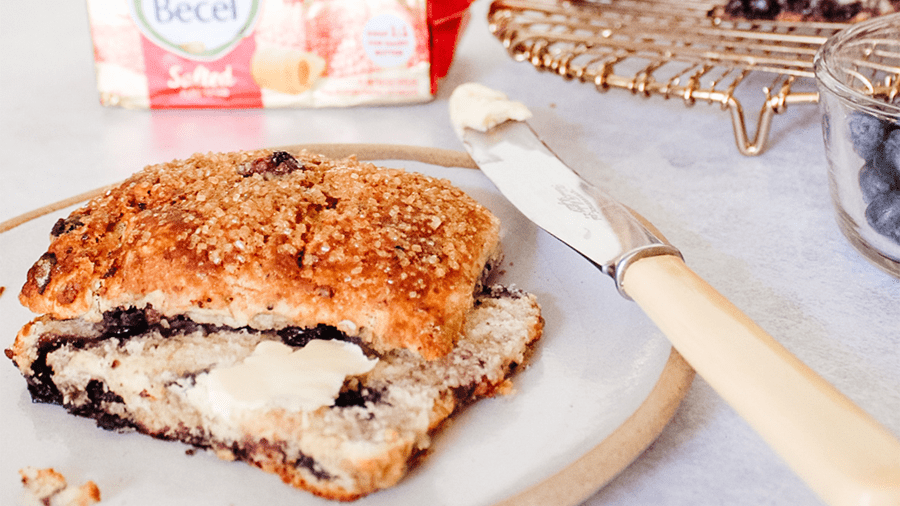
(843, 454)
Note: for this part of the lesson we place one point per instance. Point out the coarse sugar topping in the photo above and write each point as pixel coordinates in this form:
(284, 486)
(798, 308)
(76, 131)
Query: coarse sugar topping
(265, 238)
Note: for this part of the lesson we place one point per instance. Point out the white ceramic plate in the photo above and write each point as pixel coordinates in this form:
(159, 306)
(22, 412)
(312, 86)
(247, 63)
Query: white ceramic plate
(596, 365)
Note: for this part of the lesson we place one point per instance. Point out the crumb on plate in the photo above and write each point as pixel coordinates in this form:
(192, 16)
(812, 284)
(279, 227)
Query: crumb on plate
(47, 487)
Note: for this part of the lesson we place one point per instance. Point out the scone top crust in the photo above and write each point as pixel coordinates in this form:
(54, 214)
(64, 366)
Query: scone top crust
(265, 240)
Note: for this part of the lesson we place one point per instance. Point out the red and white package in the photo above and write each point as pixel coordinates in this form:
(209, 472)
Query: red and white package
(164, 54)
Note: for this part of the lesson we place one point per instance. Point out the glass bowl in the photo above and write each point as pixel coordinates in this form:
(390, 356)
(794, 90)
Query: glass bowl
(858, 77)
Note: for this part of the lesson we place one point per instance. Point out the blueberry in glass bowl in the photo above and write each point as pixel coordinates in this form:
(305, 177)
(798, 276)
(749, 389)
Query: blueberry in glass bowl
(858, 77)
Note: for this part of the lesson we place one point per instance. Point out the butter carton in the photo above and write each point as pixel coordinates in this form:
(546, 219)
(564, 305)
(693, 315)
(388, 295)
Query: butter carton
(271, 53)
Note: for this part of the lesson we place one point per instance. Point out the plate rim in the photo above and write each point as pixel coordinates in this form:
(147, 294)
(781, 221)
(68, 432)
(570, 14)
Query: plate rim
(589, 472)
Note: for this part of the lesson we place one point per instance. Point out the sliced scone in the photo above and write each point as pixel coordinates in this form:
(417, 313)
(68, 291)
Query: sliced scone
(315, 318)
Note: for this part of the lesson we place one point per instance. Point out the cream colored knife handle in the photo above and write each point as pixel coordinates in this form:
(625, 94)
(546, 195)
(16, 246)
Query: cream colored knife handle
(841, 452)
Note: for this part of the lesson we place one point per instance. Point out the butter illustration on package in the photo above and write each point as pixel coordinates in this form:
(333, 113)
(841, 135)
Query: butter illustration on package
(271, 53)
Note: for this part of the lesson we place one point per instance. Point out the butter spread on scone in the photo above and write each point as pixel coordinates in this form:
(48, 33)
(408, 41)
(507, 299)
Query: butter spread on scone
(277, 376)
(318, 319)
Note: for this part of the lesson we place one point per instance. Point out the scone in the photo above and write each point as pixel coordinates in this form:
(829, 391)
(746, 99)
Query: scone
(315, 318)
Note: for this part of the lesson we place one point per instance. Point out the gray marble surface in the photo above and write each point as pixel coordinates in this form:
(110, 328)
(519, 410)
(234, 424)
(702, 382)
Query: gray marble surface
(761, 229)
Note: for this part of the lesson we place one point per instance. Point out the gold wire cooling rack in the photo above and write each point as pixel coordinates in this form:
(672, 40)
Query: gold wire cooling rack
(670, 48)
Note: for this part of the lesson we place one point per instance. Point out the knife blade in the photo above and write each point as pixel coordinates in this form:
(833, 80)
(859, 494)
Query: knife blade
(843, 454)
(555, 198)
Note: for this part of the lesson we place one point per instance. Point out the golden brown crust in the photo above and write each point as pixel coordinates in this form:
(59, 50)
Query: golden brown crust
(385, 254)
(367, 476)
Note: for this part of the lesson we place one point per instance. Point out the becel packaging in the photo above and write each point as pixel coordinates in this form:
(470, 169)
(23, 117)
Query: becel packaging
(164, 54)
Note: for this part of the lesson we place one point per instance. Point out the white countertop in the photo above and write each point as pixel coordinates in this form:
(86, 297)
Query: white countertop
(761, 230)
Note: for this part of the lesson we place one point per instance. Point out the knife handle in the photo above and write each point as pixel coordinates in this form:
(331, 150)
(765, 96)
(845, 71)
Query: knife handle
(840, 451)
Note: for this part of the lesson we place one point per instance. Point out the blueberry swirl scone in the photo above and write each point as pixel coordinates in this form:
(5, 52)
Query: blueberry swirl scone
(315, 318)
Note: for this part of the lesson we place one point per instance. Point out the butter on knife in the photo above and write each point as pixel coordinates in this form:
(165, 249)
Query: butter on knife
(478, 107)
